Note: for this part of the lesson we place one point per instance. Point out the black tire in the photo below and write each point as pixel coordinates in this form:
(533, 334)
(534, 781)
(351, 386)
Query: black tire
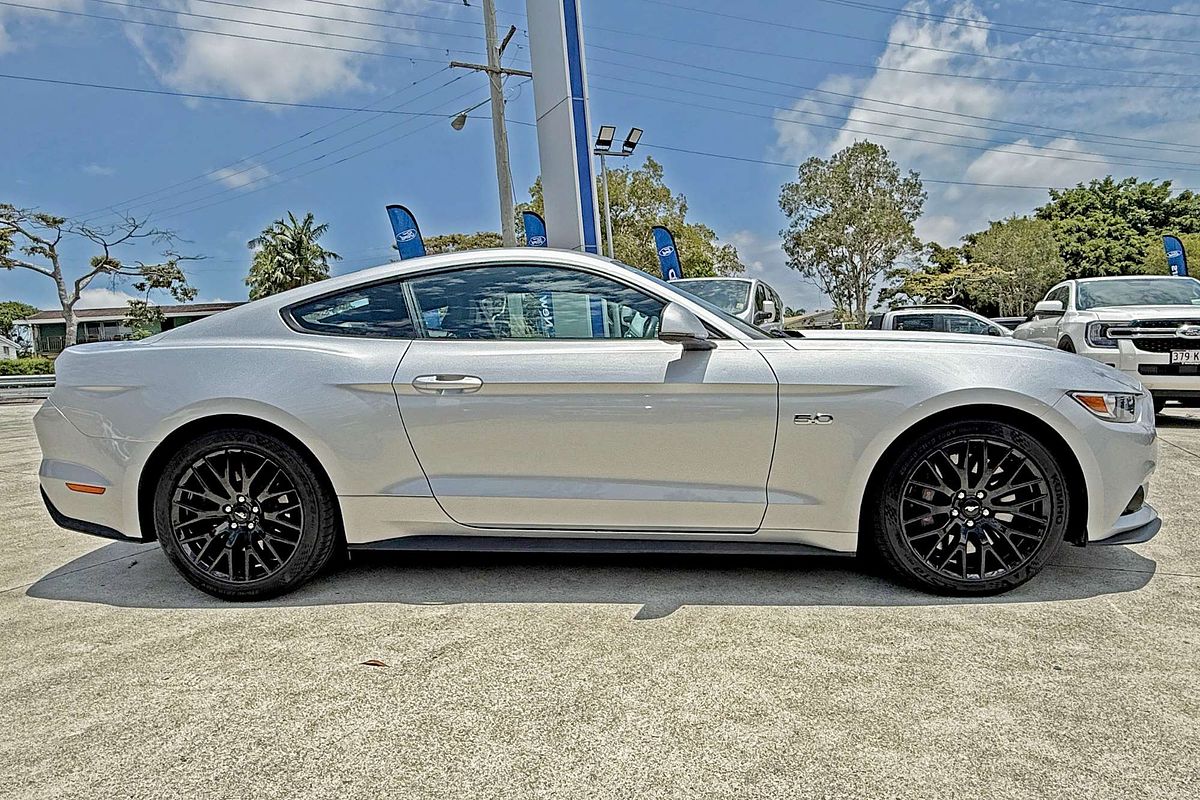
(277, 529)
(1159, 405)
(1066, 345)
(1004, 545)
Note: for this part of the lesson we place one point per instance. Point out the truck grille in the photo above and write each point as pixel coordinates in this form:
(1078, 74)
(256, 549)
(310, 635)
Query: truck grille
(1155, 335)
(1169, 369)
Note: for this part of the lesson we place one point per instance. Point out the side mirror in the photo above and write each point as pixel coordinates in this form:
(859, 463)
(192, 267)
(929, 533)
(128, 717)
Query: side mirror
(680, 326)
(769, 308)
(1049, 308)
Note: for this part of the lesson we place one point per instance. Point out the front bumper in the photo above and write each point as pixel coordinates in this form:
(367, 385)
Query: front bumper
(1140, 526)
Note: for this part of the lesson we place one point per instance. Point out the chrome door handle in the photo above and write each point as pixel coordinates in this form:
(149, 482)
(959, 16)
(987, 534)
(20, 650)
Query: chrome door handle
(447, 384)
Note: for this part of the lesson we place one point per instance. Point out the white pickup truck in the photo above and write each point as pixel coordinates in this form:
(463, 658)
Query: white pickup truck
(1147, 326)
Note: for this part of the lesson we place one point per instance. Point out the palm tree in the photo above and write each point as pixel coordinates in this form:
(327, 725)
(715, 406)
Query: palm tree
(287, 255)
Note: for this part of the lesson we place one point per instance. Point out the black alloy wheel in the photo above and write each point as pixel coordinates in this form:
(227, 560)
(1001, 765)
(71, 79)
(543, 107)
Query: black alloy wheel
(972, 508)
(244, 516)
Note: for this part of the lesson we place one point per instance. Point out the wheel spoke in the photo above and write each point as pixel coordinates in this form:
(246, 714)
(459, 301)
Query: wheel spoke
(239, 482)
(990, 503)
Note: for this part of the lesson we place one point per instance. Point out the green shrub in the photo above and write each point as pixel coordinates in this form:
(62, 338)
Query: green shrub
(27, 366)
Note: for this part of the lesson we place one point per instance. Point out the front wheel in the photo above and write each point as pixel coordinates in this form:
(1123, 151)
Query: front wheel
(244, 516)
(971, 508)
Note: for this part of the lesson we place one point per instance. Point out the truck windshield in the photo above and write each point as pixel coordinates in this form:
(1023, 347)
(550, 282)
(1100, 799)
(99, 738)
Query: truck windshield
(731, 296)
(1139, 292)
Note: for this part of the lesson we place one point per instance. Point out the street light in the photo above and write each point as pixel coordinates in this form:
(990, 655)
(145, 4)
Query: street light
(603, 148)
(460, 119)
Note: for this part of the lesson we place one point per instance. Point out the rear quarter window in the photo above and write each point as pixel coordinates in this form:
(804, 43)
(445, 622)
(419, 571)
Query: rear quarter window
(378, 311)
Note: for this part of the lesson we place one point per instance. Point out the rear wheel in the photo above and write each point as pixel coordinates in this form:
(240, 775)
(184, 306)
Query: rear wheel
(243, 516)
(971, 508)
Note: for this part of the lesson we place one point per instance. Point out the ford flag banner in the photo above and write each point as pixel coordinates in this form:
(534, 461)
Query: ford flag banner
(1176, 257)
(535, 229)
(408, 235)
(668, 254)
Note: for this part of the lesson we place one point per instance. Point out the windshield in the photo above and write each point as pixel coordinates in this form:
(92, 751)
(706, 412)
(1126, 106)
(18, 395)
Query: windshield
(1139, 292)
(743, 326)
(732, 296)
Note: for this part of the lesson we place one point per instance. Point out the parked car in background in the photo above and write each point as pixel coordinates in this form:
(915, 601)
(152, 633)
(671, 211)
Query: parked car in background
(749, 299)
(936, 319)
(535, 399)
(1147, 326)
(1011, 323)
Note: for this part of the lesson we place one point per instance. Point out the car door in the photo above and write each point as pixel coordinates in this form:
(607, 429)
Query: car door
(539, 397)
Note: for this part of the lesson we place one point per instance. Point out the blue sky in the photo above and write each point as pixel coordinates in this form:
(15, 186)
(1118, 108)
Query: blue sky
(1035, 102)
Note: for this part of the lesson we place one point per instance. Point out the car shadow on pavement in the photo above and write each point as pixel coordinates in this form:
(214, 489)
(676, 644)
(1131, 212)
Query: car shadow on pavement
(139, 576)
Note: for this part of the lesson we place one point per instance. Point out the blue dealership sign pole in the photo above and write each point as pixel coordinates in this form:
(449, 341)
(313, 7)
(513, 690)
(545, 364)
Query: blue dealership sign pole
(668, 254)
(1176, 256)
(406, 231)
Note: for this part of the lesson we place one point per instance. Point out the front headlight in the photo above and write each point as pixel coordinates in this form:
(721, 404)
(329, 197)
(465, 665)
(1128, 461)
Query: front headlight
(1097, 335)
(1111, 406)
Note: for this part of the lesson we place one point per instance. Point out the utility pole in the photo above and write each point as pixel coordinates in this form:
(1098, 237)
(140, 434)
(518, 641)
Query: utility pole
(495, 72)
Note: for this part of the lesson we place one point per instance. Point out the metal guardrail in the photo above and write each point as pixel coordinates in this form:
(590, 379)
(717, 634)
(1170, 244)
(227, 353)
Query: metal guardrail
(25, 387)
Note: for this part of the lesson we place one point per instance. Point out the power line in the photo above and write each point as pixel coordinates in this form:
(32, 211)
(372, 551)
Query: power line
(272, 26)
(251, 164)
(1132, 8)
(163, 25)
(1110, 160)
(264, 9)
(271, 177)
(779, 24)
(767, 162)
(862, 98)
(1018, 29)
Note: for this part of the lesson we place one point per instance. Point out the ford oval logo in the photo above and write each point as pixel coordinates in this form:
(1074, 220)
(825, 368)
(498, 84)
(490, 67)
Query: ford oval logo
(537, 241)
(1188, 331)
(407, 235)
(666, 251)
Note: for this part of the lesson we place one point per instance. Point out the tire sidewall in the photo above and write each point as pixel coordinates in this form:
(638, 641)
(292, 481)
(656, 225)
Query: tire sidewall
(313, 547)
(893, 545)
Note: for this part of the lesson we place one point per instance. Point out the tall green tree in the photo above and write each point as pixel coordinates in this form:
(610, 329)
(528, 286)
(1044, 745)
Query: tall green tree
(1101, 227)
(10, 311)
(33, 240)
(288, 254)
(640, 199)
(1021, 261)
(943, 276)
(143, 317)
(454, 242)
(850, 220)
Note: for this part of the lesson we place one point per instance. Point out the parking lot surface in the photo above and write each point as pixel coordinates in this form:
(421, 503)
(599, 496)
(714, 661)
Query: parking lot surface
(576, 677)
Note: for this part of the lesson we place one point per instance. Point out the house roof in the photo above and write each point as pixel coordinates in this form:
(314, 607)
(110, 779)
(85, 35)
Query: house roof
(108, 314)
(5, 340)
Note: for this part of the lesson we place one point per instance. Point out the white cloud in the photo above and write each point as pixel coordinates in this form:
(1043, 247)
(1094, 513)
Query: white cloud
(104, 298)
(99, 170)
(984, 149)
(270, 70)
(236, 177)
(12, 17)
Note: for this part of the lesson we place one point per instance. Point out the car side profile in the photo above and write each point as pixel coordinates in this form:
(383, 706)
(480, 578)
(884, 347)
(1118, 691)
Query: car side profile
(939, 318)
(539, 399)
(1147, 326)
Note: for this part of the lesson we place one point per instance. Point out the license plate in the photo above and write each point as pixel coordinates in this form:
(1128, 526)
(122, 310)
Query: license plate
(1185, 356)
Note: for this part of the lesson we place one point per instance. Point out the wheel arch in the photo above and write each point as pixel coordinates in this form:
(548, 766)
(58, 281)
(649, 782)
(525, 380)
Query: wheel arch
(1046, 434)
(206, 424)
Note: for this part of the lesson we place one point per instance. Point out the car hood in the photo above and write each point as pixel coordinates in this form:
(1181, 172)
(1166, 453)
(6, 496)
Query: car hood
(1123, 313)
(918, 336)
(1073, 371)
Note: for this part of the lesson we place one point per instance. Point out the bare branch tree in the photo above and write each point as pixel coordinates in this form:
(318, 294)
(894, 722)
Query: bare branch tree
(30, 239)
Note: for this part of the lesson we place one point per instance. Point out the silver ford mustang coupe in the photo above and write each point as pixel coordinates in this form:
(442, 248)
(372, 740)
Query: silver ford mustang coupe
(529, 399)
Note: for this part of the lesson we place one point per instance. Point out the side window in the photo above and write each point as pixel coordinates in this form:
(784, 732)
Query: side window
(960, 323)
(377, 311)
(914, 322)
(532, 302)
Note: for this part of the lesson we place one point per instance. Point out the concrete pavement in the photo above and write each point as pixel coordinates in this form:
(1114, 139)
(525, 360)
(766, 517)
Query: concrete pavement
(579, 677)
